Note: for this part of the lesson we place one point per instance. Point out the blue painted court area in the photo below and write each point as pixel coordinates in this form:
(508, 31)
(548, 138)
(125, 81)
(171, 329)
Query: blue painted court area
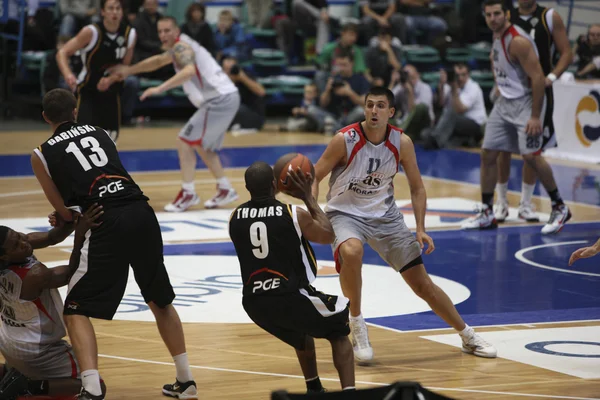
(503, 289)
(576, 184)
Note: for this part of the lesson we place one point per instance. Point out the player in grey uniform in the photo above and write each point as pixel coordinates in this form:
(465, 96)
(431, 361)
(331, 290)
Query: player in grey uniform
(514, 124)
(363, 159)
(38, 360)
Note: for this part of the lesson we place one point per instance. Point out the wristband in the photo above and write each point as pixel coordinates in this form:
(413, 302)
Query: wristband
(552, 77)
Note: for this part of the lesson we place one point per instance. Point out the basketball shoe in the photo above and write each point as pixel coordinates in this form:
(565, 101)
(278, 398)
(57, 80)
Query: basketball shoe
(85, 395)
(221, 198)
(558, 218)
(483, 220)
(527, 212)
(180, 390)
(363, 352)
(501, 211)
(475, 345)
(183, 201)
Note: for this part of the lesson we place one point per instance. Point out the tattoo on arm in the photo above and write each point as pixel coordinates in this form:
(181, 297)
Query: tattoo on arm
(184, 55)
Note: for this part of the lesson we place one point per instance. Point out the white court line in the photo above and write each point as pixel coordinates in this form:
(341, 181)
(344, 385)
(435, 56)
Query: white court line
(241, 371)
(519, 255)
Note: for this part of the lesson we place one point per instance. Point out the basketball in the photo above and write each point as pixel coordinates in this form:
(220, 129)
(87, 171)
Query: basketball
(287, 162)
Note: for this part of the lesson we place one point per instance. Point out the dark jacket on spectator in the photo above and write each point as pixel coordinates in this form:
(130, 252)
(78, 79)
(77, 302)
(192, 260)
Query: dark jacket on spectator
(201, 33)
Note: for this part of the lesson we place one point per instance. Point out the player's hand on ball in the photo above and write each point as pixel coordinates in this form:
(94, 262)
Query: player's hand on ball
(153, 91)
(423, 239)
(87, 220)
(301, 182)
(534, 126)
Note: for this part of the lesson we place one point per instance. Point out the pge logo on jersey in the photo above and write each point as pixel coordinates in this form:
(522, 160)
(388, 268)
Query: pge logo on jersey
(587, 119)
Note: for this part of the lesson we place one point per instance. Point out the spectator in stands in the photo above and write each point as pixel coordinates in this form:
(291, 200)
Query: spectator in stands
(38, 28)
(587, 50)
(419, 17)
(377, 14)
(300, 121)
(463, 113)
(341, 103)
(259, 13)
(345, 44)
(384, 55)
(230, 38)
(76, 14)
(251, 114)
(414, 101)
(52, 78)
(312, 16)
(197, 28)
(148, 43)
(131, 8)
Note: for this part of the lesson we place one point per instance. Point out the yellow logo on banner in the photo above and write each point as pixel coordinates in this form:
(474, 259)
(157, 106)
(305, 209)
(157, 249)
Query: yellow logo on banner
(588, 109)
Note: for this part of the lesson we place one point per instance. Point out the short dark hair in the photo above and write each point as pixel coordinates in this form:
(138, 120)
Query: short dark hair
(193, 7)
(462, 65)
(382, 91)
(169, 18)
(58, 105)
(502, 3)
(345, 54)
(103, 4)
(259, 179)
(350, 27)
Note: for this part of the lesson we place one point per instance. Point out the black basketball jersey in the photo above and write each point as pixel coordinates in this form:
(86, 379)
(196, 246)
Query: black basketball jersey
(274, 256)
(109, 49)
(84, 164)
(536, 25)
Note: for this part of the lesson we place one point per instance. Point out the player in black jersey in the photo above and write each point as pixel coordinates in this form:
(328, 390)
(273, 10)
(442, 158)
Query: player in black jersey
(77, 166)
(547, 29)
(278, 265)
(102, 45)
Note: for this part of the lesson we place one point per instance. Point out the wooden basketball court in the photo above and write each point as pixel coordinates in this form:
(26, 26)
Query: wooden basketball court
(236, 360)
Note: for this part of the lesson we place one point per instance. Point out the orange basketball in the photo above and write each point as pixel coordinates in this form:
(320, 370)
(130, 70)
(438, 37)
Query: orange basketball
(287, 162)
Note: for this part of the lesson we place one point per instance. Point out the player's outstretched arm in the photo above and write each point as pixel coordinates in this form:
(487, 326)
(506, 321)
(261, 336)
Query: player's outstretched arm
(315, 226)
(49, 188)
(185, 60)
(148, 65)
(79, 42)
(40, 240)
(522, 50)
(41, 277)
(585, 252)
(334, 154)
(418, 195)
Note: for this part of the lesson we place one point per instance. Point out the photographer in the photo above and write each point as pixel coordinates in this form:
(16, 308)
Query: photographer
(414, 101)
(464, 110)
(587, 50)
(341, 103)
(384, 55)
(251, 114)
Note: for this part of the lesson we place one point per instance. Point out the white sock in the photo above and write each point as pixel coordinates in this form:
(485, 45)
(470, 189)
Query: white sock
(467, 332)
(182, 365)
(526, 193)
(359, 317)
(502, 190)
(224, 183)
(90, 379)
(189, 187)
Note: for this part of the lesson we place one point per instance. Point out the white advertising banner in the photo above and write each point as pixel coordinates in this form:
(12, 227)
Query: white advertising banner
(577, 121)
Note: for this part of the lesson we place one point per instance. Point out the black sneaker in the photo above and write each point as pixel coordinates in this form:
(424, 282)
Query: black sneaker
(85, 395)
(180, 390)
(14, 384)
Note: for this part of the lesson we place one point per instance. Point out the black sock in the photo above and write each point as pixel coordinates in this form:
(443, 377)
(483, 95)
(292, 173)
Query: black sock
(487, 199)
(314, 385)
(37, 388)
(555, 198)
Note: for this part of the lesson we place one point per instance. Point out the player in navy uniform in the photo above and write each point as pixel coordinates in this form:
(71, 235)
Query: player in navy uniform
(102, 46)
(76, 167)
(278, 266)
(548, 31)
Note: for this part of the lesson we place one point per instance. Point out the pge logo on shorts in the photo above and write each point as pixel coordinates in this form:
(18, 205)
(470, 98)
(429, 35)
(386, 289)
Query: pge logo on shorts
(587, 119)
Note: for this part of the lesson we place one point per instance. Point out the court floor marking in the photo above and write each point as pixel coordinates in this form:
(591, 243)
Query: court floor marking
(241, 371)
(519, 255)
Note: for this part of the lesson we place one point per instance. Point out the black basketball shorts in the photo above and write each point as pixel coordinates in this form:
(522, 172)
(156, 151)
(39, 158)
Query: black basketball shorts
(129, 235)
(293, 316)
(101, 109)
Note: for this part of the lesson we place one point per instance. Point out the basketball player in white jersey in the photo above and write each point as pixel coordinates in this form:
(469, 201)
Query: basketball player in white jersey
(363, 159)
(217, 99)
(515, 124)
(547, 29)
(39, 361)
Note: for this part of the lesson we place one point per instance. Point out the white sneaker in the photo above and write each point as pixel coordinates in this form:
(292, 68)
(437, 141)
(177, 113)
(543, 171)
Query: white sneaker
(483, 220)
(558, 218)
(183, 201)
(477, 346)
(501, 212)
(222, 197)
(527, 212)
(363, 352)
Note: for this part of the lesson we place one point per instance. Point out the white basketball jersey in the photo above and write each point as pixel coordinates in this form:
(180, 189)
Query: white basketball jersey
(27, 326)
(364, 187)
(210, 81)
(511, 79)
